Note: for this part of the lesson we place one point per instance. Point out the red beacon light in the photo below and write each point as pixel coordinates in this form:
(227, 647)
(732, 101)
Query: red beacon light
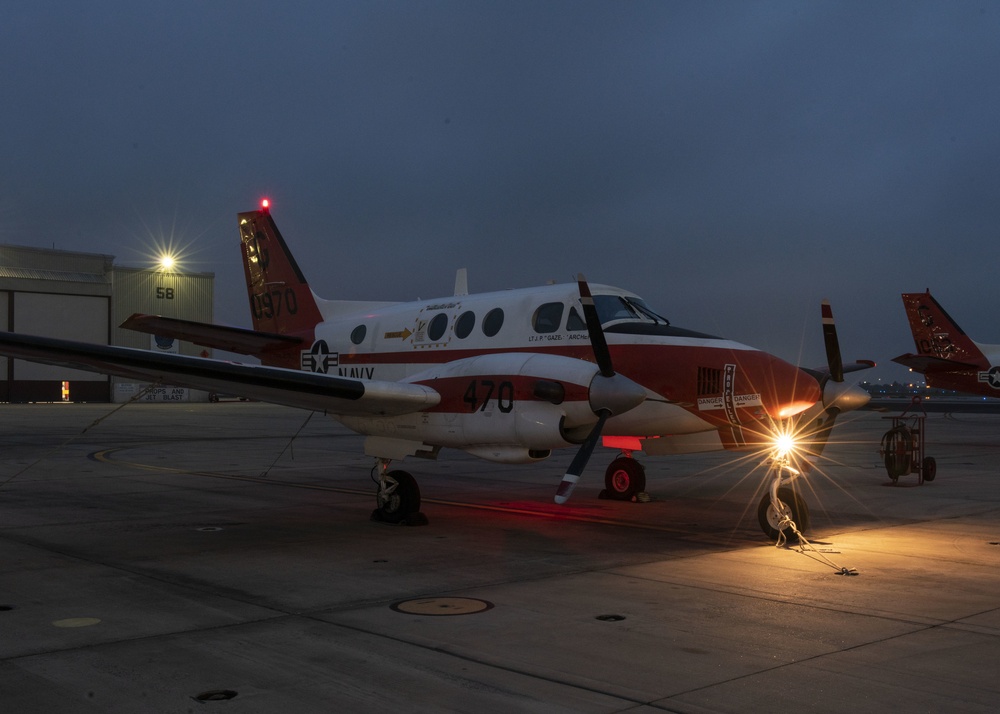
(265, 205)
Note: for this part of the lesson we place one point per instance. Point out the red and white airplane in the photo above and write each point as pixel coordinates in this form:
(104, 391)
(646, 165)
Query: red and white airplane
(507, 376)
(946, 356)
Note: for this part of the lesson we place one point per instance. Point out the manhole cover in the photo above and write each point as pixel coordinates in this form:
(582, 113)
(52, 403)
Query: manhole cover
(442, 606)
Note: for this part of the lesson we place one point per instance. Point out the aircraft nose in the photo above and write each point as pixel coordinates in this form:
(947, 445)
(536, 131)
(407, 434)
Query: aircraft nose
(796, 390)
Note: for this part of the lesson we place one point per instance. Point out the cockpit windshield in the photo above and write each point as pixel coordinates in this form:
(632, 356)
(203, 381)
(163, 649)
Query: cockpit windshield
(614, 308)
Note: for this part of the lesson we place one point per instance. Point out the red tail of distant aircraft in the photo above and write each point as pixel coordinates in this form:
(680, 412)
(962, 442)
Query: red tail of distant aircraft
(506, 376)
(946, 356)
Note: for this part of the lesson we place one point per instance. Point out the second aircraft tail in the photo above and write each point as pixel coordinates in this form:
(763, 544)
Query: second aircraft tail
(938, 336)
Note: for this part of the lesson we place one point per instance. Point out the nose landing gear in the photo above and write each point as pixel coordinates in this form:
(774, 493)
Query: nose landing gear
(782, 513)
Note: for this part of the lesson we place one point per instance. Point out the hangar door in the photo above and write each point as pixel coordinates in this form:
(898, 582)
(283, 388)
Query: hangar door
(68, 317)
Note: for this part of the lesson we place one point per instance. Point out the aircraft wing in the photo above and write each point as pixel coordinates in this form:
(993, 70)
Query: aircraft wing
(925, 364)
(848, 368)
(306, 390)
(231, 339)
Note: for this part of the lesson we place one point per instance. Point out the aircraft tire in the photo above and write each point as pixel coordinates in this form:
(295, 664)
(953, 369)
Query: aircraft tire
(929, 468)
(770, 519)
(404, 500)
(624, 479)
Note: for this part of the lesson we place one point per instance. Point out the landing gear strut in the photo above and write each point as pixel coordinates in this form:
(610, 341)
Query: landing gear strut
(397, 497)
(782, 513)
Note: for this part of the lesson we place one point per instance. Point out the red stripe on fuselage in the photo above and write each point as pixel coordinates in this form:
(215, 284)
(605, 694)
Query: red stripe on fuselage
(668, 370)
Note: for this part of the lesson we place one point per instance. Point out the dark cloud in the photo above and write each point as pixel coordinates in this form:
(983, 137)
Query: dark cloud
(733, 162)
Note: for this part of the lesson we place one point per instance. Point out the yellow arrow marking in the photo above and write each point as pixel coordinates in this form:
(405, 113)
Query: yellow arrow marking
(397, 335)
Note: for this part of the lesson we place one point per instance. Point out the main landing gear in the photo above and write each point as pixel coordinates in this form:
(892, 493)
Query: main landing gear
(782, 512)
(625, 479)
(397, 498)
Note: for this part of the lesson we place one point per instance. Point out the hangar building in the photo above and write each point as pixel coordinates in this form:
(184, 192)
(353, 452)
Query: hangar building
(84, 297)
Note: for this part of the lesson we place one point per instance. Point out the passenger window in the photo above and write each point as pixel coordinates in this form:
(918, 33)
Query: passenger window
(358, 334)
(464, 324)
(575, 323)
(548, 317)
(439, 323)
(493, 322)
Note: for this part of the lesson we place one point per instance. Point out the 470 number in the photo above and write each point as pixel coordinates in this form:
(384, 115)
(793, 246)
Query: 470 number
(482, 391)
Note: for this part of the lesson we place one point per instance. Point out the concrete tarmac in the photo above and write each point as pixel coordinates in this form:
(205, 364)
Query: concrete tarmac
(220, 557)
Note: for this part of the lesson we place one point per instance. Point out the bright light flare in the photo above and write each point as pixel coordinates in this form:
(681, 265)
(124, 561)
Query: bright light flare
(784, 444)
(167, 262)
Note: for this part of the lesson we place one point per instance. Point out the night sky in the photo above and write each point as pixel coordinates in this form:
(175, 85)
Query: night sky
(733, 163)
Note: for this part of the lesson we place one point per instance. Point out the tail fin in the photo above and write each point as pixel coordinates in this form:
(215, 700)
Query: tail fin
(936, 335)
(280, 299)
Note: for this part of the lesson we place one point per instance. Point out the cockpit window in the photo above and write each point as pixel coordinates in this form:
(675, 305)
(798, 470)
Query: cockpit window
(547, 317)
(612, 308)
(575, 323)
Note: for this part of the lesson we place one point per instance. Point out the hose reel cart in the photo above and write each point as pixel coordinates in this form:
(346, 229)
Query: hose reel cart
(903, 445)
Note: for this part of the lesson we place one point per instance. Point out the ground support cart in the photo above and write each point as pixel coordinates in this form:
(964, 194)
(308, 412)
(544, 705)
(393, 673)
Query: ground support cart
(903, 445)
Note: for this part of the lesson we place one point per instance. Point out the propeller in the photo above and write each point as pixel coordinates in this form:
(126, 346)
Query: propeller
(610, 393)
(832, 344)
(837, 396)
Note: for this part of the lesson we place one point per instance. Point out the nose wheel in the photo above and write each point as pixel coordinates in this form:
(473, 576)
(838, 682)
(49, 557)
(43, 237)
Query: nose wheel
(782, 513)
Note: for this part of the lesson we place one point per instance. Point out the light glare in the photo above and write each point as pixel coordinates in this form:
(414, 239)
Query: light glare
(783, 444)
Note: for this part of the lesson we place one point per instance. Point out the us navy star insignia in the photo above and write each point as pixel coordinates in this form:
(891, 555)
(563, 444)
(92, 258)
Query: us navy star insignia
(991, 377)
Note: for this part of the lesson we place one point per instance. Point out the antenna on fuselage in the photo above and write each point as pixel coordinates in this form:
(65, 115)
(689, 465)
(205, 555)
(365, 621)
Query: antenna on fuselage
(461, 282)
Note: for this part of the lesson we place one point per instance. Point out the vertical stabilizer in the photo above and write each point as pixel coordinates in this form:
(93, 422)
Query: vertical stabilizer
(280, 299)
(936, 335)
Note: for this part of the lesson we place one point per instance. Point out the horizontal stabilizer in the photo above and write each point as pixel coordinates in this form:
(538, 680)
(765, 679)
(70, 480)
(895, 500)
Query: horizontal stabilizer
(306, 390)
(926, 364)
(232, 339)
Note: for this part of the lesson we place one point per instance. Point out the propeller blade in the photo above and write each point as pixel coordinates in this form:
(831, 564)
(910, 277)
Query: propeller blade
(579, 462)
(833, 359)
(597, 339)
(815, 440)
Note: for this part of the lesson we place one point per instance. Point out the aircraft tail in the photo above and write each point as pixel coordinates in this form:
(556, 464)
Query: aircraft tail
(935, 334)
(943, 348)
(281, 301)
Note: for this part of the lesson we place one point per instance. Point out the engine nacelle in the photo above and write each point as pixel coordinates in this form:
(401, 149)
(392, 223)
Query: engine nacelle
(504, 454)
(509, 403)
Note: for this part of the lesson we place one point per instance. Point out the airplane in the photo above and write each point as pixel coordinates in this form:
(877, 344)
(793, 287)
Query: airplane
(946, 356)
(506, 376)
